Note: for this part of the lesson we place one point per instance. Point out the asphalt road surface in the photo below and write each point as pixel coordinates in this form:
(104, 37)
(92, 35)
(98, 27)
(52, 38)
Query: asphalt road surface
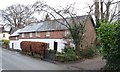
(0, 58)
(15, 61)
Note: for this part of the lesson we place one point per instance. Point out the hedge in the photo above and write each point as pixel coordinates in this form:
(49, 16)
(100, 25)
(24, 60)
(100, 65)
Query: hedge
(35, 47)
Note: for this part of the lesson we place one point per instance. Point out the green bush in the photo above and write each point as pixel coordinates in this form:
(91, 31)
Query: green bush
(87, 53)
(5, 43)
(68, 54)
(108, 36)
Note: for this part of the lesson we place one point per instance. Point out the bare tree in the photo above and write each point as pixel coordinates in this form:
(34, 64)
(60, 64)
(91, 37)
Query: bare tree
(68, 18)
(17, 15)
(106, 14)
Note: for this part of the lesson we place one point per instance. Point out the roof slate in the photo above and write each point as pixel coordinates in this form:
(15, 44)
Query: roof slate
(48, 25)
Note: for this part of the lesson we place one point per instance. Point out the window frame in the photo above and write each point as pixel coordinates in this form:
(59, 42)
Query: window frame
(22, 35)
(3, 35)
(47, 34)
(66, 33)
(30, 35)
(37, 34)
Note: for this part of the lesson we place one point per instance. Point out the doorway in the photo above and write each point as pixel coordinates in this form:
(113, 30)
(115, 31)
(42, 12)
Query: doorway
(12, 45)
(55, 45)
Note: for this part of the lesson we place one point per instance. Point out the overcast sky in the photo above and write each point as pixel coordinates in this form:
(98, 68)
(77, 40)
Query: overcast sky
(82, 5)
(79, 3)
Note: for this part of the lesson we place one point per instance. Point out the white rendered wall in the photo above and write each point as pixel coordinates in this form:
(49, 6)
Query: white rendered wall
(6, 36)
(16, 44)
(60, 42)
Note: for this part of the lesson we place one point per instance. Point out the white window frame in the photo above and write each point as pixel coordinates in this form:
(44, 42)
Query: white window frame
(23, 35)
(30, 34)
(16, 38)
(4, 35)
(66, 32)
(47, 34)
(37, 34)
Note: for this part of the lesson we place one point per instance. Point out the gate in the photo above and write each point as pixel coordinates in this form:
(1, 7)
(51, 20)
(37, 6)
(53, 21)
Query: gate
(49, 55)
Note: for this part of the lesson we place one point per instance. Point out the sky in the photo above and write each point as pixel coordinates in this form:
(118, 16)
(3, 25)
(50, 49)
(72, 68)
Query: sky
(82, 5)
(79, 3)
(5, 3)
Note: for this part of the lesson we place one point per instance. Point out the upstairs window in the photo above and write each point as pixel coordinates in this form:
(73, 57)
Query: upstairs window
(16, 38)
(3, 35)
(37, 34)
(67, 33)
(23, 35)
(30, 34)
(47, 34)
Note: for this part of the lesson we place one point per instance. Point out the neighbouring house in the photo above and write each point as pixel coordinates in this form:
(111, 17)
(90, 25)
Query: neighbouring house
(51, 32)
(1, 29)
(4, 34)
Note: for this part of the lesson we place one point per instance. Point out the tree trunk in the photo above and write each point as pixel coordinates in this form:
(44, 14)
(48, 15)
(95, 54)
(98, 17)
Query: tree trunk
(107, 11)
(77, 49)
(97, 12)
(102, 14)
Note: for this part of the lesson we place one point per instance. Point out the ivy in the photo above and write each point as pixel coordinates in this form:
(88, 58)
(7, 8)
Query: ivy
(108, 34)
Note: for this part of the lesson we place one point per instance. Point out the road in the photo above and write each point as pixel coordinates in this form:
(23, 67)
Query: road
(0, 58)
(15, 61)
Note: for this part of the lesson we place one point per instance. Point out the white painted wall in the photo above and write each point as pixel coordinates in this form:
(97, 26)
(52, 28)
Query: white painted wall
(1, 36)
(50, 41)
(16, 44)
(6, 36)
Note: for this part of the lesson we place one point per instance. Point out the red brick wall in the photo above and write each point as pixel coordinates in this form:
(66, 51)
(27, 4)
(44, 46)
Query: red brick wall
(90, 34)
(53, 35)
(57, 34)
(13, 37)
(42, 34)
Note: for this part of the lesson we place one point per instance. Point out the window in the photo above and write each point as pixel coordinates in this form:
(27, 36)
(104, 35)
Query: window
(16, 38)
(66, 32)
(3, 35)
(37, 34)
(47, 34)
(22, 35)
(30, 34)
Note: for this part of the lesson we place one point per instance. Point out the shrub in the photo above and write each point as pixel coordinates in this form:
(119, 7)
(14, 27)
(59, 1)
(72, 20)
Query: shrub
(68, 54)
(5, 43)
(87, 53)
(108, 35)
(35, 47)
